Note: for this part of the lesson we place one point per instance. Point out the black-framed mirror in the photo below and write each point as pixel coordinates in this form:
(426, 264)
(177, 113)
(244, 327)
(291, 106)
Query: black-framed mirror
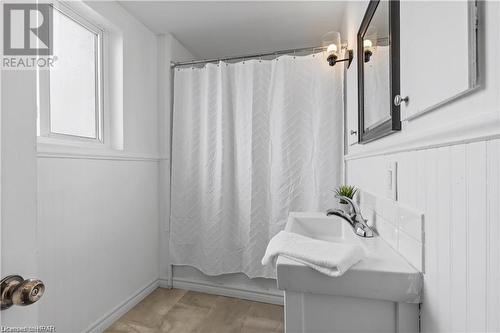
(378, 71)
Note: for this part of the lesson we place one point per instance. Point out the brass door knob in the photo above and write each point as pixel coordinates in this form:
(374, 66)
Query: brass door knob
(17, 291)
(28, 292)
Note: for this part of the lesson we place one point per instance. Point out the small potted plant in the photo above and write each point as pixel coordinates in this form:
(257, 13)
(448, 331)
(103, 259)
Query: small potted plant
(346, 191)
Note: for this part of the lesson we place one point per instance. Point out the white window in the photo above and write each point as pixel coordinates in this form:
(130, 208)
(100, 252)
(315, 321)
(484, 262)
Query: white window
(71, 92)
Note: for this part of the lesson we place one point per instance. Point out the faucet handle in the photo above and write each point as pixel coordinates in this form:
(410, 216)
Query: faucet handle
(360, 232)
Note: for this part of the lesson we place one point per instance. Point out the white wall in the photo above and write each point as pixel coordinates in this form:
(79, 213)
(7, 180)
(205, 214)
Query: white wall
(169, 49)
(98, 216)
(140, 116)
(448, 168)
(97, 236)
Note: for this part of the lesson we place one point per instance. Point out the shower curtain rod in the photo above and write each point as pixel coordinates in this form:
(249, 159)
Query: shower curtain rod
(174, 64)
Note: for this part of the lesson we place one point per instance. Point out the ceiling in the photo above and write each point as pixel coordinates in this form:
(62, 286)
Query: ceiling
(213, 29)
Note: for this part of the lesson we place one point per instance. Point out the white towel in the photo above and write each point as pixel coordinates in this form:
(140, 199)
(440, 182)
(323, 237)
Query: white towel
(332, 259)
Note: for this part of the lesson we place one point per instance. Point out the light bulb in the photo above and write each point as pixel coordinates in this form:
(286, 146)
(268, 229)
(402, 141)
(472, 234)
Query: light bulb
(367, 43)
(332, 48)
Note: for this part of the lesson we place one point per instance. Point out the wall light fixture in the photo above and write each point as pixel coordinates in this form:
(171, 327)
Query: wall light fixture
(331, 41)
(367, 47)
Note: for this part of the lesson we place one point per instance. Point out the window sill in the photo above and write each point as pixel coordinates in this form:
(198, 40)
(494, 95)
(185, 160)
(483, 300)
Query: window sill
(51, 148)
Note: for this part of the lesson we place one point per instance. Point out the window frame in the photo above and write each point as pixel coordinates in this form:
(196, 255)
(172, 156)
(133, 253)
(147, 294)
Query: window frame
(43, 80)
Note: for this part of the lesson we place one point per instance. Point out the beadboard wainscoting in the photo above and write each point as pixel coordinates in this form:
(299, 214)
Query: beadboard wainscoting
(457, 189)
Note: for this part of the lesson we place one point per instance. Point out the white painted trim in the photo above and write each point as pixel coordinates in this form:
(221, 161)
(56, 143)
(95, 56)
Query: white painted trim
(125, 157)
(53, 151)
(163, 283)
(480, 127)
(251, 295)
(108, 319)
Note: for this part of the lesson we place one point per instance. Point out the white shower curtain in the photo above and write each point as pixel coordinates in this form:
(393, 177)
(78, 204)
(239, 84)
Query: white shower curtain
(252, 141)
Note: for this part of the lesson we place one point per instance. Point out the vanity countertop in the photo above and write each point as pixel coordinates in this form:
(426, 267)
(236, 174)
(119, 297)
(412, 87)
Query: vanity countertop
(383, 274)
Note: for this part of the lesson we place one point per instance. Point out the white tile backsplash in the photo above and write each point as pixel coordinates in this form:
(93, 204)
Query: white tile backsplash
(400, 226)
(411, 250)
(389, 211)
(388, 232)
(411, 222)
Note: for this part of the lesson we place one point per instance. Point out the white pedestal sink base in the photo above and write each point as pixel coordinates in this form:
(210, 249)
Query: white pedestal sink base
(314, 313)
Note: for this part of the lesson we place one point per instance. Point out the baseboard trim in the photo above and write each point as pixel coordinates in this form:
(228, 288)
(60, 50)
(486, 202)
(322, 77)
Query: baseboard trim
(164, 283)
(107, 320)
(251, 295)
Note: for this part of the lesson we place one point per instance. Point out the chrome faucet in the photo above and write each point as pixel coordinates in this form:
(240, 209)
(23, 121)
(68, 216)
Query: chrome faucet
(356, 219)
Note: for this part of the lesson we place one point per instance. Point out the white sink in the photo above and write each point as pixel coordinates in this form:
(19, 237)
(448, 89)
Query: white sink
(383, 274)
(319, 226)
(374, 295)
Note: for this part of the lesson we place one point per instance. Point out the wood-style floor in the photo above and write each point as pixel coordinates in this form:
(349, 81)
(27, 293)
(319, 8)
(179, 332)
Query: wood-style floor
(181, 311)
